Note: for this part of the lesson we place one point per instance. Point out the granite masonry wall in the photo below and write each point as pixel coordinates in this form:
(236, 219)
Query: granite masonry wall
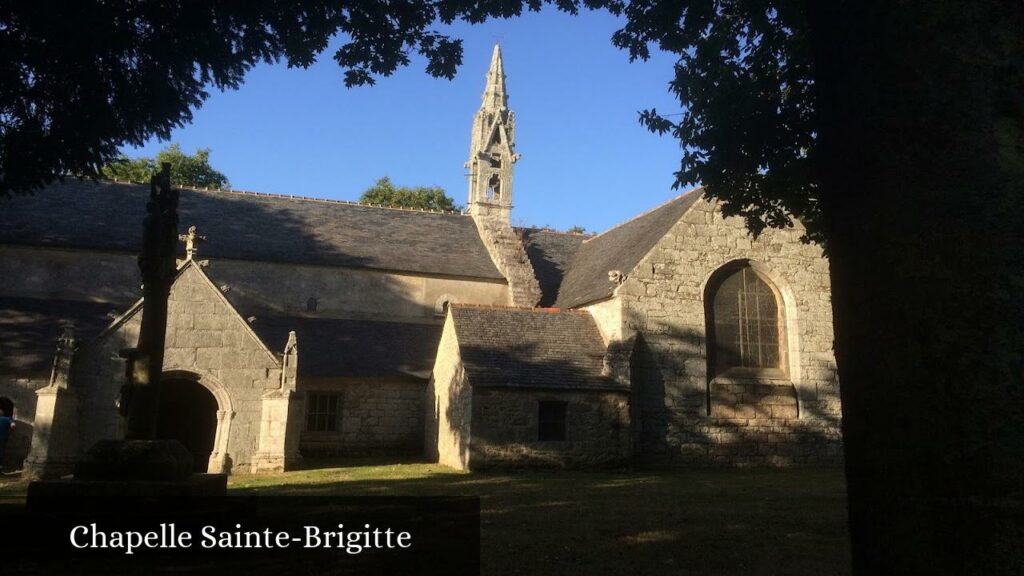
(504, 429)
(375, 418)
(448, 406)
(206, 341)
(683, 416)
(506, 249)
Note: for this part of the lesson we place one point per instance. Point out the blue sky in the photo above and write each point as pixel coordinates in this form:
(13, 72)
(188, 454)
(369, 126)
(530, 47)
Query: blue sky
(585, 158)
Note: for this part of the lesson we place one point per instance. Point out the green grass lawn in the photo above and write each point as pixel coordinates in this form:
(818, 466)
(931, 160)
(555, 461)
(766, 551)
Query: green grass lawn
(719, 521)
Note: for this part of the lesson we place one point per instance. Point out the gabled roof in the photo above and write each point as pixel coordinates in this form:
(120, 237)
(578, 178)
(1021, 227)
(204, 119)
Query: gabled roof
(249, 226)
(550, 253)
(339, 347)
(190, 267)
(530, 348)
(29, 328)
(620, 248)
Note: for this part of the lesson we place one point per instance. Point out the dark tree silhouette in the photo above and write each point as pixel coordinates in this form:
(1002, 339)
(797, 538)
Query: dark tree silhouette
(893, 130)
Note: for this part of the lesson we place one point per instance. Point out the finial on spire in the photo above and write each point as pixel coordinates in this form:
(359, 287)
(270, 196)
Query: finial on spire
(494, 93)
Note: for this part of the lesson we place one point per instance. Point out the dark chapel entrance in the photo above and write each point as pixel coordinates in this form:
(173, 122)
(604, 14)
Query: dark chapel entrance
(188, 414)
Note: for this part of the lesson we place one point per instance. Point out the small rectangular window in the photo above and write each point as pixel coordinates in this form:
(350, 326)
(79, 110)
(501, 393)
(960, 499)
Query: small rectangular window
(551, 421)
(322, 412)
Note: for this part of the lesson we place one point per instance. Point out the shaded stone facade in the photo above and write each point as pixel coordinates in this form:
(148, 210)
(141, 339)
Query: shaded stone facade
(376, 419)
(505, 426)
(526, 388)
(207, 341)
(304, 328)
(687, 413)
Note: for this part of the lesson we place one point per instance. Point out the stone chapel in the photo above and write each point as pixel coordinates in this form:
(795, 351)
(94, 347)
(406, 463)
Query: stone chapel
(301, 328)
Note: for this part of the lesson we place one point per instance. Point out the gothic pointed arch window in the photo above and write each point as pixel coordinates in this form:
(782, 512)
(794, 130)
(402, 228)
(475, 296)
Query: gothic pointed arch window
(746, 324)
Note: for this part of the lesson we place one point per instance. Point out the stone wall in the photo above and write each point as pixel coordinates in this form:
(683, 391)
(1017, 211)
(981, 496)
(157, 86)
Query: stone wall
(376, 418)
(54, 273)
(506, 249)
(505, 425)
(683, 418)
(205, 339)
(449, 405)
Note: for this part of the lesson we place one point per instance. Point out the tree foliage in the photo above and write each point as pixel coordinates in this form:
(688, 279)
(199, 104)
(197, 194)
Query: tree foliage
(141, 68)
(744, 79)
(194, 170)
(384, 193)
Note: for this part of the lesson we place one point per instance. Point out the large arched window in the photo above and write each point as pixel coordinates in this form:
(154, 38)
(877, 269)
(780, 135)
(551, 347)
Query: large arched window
(746, 324)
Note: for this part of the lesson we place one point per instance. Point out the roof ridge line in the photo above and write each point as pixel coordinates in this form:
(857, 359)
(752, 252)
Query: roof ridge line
(553, 231)
(644, 213)
(541, 310)
(293, 197)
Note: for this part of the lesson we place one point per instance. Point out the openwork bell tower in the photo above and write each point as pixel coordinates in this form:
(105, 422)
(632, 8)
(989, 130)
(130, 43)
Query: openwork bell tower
(491, 156)
(492, 149)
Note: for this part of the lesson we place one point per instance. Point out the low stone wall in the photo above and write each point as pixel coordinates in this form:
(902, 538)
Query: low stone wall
(505, 425)
(376, 419)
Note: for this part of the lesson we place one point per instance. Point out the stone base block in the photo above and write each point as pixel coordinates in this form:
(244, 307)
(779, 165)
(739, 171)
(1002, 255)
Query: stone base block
(266, 463)
(46, 468)
(139, 460)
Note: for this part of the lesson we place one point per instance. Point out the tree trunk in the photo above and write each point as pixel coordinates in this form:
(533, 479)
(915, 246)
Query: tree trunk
(922, 172)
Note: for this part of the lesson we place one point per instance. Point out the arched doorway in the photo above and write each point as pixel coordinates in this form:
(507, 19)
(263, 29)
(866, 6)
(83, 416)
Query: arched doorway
(188, 414)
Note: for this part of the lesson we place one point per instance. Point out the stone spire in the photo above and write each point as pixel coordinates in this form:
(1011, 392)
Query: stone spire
(492, 149)
(491, 156)
(494, 94)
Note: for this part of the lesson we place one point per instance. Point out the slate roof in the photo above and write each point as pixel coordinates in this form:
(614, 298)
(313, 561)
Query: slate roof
(355, 348)
(340, 348)
(29, 329)
(550, 253)
(539, 348)
(108, 216)
(620, 248)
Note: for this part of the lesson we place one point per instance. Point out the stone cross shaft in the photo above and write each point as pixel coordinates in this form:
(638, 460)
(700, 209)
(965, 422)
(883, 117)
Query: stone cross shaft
(140, 396)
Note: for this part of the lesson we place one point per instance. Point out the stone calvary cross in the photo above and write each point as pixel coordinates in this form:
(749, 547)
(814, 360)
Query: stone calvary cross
(140, 396)
(140, 466)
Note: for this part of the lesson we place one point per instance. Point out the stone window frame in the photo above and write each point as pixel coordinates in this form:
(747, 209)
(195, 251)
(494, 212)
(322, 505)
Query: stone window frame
(560, 410)
(331, 417)
(724, 374)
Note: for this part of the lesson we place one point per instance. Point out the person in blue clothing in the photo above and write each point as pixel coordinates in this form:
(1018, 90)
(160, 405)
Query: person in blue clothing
(6, 423)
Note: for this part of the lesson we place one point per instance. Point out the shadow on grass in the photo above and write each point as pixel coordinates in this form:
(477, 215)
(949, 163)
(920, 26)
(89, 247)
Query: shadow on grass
(702, 521)
(708, 521)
